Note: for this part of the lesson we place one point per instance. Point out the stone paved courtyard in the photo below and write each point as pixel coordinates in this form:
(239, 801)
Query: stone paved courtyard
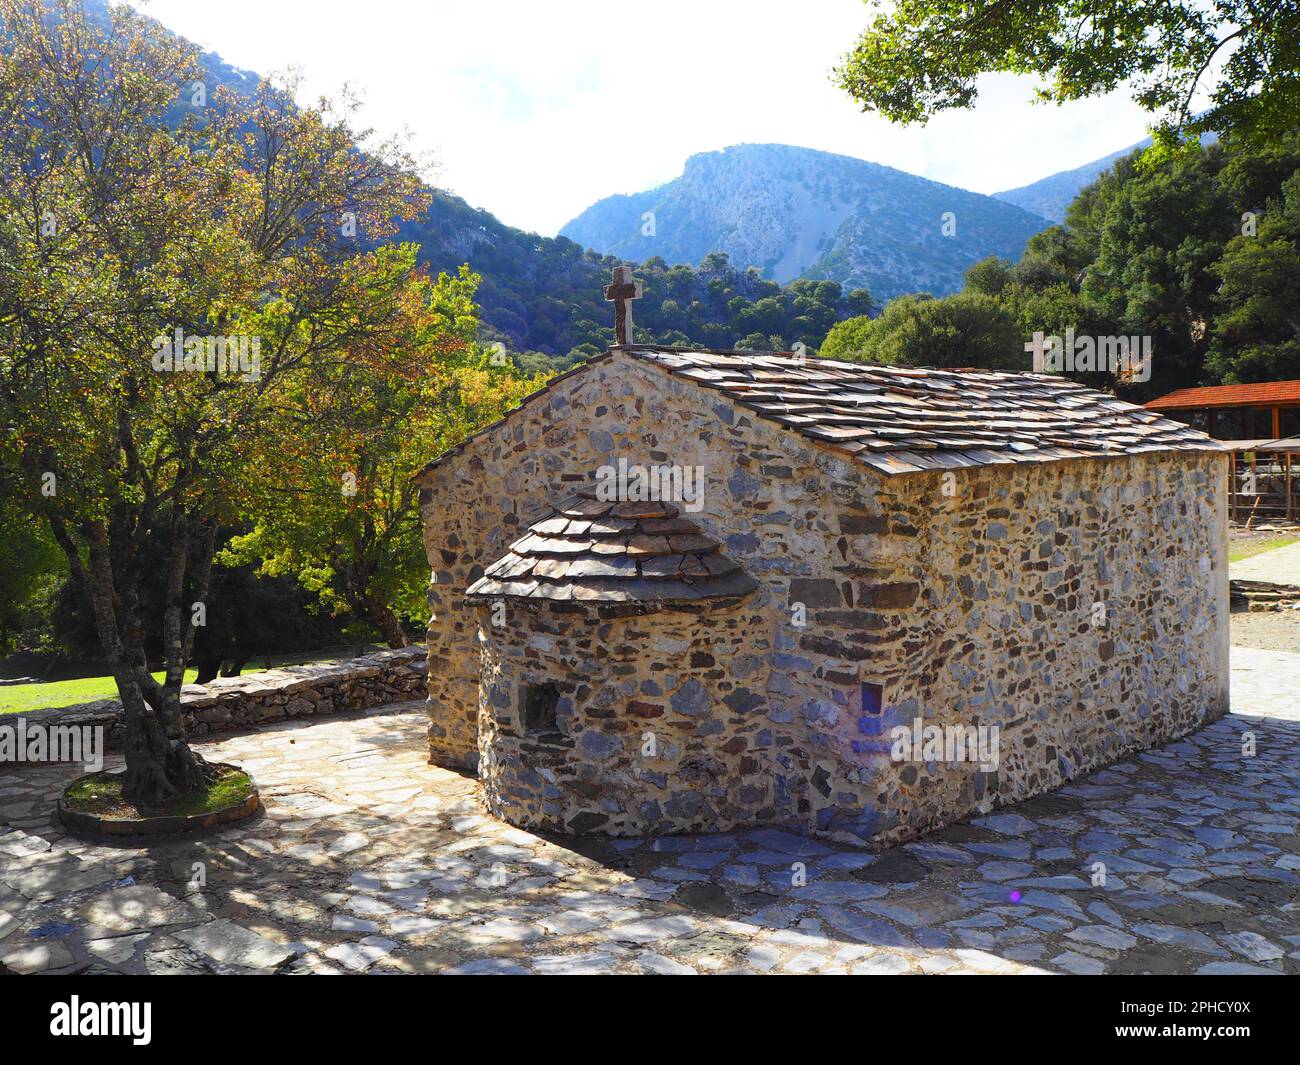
(368, 860)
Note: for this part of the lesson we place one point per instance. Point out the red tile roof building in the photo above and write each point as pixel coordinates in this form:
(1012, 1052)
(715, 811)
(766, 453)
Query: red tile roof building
(1259, 394)
(1260, 423)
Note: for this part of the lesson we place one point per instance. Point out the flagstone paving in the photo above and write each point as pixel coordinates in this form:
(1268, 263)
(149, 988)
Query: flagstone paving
(1181, 860)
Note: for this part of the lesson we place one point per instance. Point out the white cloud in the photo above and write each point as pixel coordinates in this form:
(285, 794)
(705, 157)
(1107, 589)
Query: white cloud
(535, 111)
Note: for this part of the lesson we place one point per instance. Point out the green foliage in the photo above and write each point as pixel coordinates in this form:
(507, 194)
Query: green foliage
(339, 511)
(966, 329)
(1198, 252)
(848, 340)
(30, 568)
(989, 277)
(546, 296)
(923, 57)
(1257, 330)
(248, 616)
(253, 221)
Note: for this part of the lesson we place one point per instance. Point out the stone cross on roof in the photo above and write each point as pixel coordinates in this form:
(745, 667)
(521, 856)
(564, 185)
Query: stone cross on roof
(621, 293)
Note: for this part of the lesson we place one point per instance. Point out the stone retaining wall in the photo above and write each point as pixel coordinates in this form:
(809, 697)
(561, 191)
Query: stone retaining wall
(230, 704)
(1257, 596)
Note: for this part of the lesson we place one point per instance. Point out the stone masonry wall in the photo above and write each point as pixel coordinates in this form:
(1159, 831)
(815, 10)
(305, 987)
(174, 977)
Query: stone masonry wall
(655, 725)
(477, 503)
(762, 503)
(973, 607)
(1079, 607)
(230, 704)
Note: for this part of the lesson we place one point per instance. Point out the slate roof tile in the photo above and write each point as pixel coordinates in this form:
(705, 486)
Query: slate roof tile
(661, 557)
(905, 419)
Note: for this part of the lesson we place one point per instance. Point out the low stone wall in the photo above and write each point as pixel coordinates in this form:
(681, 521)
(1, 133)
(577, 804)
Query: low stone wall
(230, 704)
(1257, 596)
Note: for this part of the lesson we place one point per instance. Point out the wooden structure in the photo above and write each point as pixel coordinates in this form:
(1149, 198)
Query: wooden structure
(1260, 423)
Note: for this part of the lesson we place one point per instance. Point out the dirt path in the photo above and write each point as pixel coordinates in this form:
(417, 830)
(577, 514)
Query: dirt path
(1268, 630)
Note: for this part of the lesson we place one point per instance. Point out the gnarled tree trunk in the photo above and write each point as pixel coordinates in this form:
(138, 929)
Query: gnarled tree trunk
(159, 762)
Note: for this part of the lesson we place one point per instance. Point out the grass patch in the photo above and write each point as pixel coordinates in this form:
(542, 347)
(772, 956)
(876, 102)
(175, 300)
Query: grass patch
(1248, 550)
(101, 794)
(14, 698)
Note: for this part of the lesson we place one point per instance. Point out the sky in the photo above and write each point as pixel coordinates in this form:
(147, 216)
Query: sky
(534, 111)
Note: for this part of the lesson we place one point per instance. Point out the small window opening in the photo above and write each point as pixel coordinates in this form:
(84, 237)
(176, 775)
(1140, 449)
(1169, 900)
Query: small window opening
(539, 702)
(872, 698)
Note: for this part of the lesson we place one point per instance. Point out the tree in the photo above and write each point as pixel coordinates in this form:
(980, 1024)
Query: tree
(247, 616)
(923, 57)
(847, 340)
(1037, 272)
(1198, 253)
(1062, 247)
(340, 511)
(256, 617)
(1160, 231)
(30, 563)
(859, 301)
(967, 329)
(162, 289)
(990, 276)
(766, 316)
(756, 342)
(1257, 330)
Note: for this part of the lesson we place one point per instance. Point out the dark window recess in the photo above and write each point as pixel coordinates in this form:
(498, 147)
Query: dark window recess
(539, 702)
(872, 698)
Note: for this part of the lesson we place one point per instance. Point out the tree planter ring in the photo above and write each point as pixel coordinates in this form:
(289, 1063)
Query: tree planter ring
(86, 823)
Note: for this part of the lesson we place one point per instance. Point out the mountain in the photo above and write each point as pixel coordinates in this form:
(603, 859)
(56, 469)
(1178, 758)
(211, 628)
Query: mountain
(796, 212)
(1052, 196)
(545, 295)
(843, 219)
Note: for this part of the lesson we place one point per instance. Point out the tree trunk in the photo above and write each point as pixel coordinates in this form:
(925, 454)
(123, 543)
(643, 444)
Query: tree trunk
(376, 611)
(386, 622)
(207, 666)
(147, 748)
(159, 763)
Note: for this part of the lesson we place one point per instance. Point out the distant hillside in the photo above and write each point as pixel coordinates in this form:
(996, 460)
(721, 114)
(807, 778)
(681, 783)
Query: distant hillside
(545, 295)
(796, 212)
(1051, 196)
(792, 212)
